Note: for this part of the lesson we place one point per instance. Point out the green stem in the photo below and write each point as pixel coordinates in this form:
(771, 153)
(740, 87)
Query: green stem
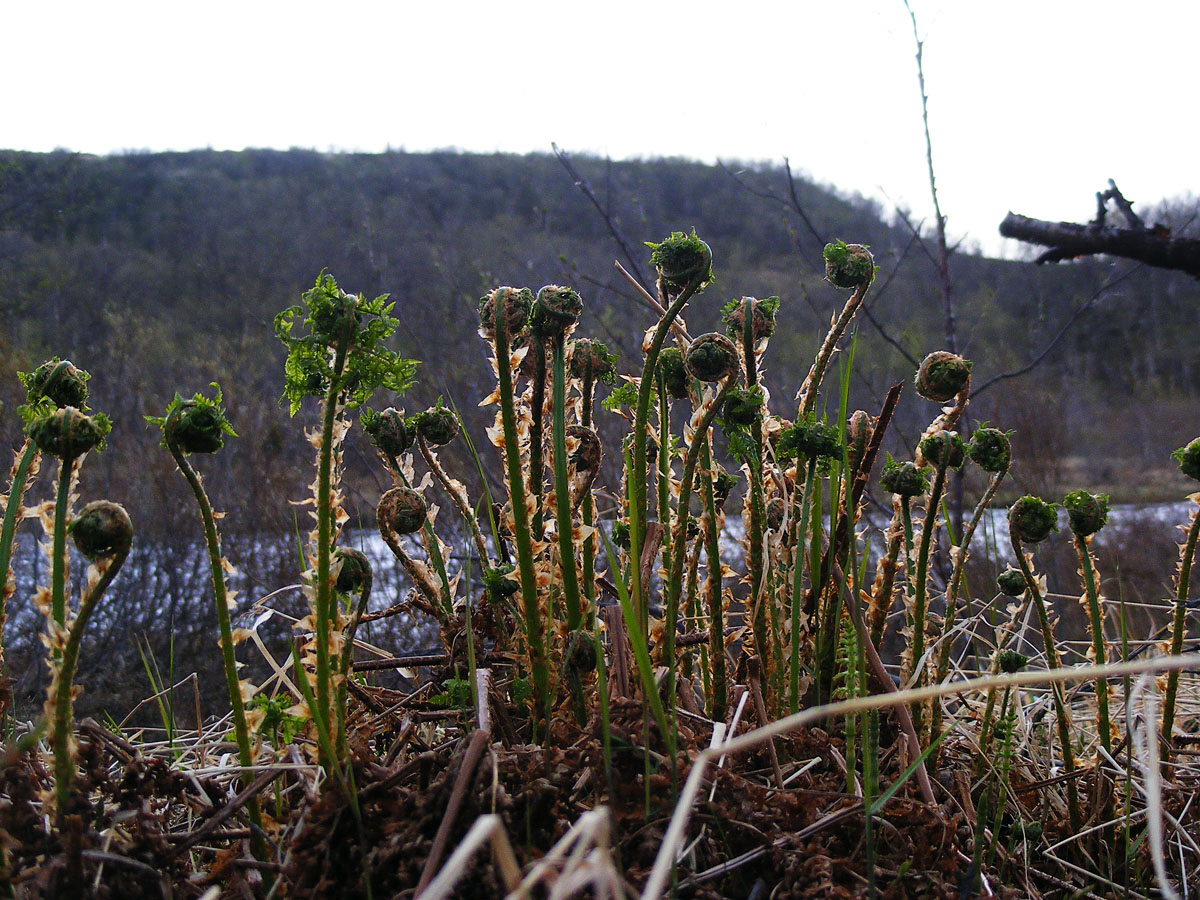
(1179, 626)
(534, 626)
(1062, 712)
(216, 569)
(13, 505)
(1097, 622)
(347, 655)
(637, 508)
(716, 616)
(588, 510)
(679, 537)
(64, 763)
(759, 600)
(537, 426)
(562, 493)
(906, 664)
(12, 515)
(58, 567)
(799, 541)
(952, 589)
(324, 548)
(921, 582)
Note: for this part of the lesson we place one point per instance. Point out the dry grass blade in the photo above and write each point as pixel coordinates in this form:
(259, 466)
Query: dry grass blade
(673, 839)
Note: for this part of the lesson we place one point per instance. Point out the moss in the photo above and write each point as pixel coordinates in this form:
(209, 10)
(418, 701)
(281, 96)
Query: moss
(903, 478)
(1086, 512)
(990, 449)
(848, 265)
(711, 357)
(942, 375)
(681, 259)
(1032, 519)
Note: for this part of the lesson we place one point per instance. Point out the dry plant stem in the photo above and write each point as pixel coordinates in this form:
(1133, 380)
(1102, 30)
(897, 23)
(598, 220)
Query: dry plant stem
(677, 329)
(1062, 711)
(216, 570)
(885, 578)
(1179, 626)
(637, 477)
(64, 763)
(807, 395)
(716, 616)
(1083, 548)
(466, 773)
(535, 628)
(458, 497)
(673, 838)
(433, 599)
(760, 707)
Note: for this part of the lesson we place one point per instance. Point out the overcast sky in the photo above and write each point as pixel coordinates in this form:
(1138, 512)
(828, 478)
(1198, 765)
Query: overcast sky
(1033, 105)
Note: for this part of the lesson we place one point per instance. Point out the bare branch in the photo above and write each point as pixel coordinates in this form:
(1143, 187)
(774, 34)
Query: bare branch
(1058, 335)
(618, 236)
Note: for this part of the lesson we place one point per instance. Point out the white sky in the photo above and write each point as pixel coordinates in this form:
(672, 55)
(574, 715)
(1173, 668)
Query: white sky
(1033, 105)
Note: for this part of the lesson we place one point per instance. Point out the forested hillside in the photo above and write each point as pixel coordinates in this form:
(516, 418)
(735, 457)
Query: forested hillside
(163, 272)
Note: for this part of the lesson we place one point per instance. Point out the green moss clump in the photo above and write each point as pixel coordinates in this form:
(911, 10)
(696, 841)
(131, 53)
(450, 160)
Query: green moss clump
(1032, 519)
(904, 478)
(743, 408)
(197, 425)
(1011, 582)
(810, 440)
(1189, 459)
(515, 307)
(555, 310)
(990, 449)
(389, 431)
(58, 381)
(762, 318)
(437, 425)
(942, 375)
(944, 449)
(67, 433)
(355, 571)
(848, 265)
(593, 356)
(674, 375)
(1086, 512)
(681, 259)
(711, 357)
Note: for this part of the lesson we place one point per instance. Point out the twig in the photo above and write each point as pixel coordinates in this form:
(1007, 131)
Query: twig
(479, 742)
(221, 816)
